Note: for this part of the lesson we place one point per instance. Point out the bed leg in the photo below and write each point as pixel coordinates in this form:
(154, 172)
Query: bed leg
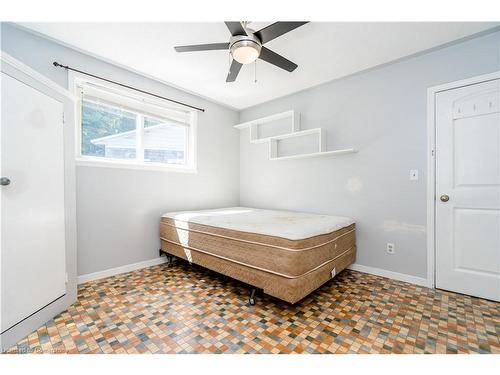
(251, 300)
(170, 260)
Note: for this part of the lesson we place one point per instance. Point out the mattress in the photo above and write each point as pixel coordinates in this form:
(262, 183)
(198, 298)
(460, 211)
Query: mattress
(288, 254)
(285, 224)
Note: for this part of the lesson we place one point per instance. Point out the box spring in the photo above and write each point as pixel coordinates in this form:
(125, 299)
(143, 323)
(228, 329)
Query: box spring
(283, 268)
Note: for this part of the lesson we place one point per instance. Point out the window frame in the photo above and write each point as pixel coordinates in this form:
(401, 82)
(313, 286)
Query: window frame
(77, 79)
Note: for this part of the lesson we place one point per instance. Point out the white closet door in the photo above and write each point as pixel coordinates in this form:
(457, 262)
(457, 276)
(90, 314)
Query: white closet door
(468, 190)
(32, 205)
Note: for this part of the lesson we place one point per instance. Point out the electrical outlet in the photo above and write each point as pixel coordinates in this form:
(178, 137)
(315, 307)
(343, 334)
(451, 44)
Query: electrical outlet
(391, 249)
(334, 272)
(414, 175)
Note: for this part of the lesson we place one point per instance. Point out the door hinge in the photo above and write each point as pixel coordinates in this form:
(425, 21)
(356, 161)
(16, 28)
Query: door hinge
(63, 120)
(433, 153)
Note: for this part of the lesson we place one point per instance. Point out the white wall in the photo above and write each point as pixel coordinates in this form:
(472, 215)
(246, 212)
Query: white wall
(382, 113)
(118, 210)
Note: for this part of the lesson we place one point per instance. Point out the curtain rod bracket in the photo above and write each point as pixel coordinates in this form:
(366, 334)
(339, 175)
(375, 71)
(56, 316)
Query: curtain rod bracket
(58, 65)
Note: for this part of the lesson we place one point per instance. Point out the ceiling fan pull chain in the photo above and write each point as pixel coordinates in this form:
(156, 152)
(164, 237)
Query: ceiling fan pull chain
(255, 76)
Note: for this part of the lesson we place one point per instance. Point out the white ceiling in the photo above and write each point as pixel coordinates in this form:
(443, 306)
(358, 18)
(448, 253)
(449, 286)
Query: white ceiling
(323, 51)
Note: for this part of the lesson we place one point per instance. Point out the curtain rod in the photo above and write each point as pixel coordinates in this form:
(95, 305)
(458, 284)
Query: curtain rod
(56, 64)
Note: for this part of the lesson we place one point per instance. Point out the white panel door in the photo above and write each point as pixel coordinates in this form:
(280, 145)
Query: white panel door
(468, 190)
(32, 204)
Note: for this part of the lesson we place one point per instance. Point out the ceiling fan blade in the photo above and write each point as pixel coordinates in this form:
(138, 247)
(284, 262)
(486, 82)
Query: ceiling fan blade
(233, 71)
(235, 28)
(273, 58)
(276, 29)
(202, 47)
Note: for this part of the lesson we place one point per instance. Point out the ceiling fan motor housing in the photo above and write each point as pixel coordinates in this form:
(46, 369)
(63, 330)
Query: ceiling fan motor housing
(245, 48)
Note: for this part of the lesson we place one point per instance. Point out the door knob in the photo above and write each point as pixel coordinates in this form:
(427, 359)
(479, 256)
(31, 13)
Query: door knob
(4, 181)
(444, 198)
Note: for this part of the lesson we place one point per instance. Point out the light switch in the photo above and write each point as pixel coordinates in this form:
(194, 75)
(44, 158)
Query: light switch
(414, 174)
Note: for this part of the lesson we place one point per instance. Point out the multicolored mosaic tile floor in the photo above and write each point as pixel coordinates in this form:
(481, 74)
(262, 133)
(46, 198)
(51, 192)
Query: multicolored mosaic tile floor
(186, 309)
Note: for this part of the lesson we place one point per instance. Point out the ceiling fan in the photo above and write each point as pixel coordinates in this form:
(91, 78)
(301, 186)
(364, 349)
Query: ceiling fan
(246, 46)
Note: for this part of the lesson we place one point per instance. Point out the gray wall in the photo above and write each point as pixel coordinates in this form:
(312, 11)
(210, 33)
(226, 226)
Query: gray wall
(118, 210)
(382, 113)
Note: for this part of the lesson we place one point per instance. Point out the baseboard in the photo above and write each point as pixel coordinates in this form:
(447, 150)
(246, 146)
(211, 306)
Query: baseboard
(118, 270)
(153, 262)
(390, 274)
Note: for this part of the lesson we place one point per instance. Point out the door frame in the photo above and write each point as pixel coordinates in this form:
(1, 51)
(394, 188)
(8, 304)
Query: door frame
(431, 164)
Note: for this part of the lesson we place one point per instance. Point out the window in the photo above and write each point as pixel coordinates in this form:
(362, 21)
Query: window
(120, 128)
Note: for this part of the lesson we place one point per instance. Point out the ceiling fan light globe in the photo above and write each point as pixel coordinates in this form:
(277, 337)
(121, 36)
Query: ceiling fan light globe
(245, 55)
(245, 51)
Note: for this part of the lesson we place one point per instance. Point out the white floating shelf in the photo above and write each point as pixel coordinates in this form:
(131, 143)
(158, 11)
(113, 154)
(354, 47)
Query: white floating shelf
(316, 154)
(257, 124)
(300, 133)
(318, 145)
(263, 120)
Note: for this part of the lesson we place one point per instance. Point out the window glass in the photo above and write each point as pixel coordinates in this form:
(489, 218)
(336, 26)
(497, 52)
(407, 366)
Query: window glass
(114, 127)
(164, 141)
(108, 131)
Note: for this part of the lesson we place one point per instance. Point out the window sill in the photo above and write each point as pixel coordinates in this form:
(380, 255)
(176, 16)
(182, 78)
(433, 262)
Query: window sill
(90, 162)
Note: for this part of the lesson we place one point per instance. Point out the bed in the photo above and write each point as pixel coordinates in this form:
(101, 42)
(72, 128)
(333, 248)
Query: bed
(286, 254)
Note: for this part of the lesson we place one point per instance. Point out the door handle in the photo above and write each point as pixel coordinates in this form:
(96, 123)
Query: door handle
(4, 181)
(444, 198)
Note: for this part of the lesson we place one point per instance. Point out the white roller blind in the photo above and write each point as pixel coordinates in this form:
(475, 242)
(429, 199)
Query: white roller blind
(134, 103)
